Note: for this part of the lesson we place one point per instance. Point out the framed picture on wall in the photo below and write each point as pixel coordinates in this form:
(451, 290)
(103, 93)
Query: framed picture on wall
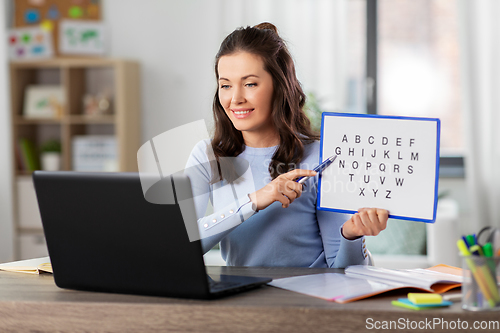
(30, 43)
(82, 37)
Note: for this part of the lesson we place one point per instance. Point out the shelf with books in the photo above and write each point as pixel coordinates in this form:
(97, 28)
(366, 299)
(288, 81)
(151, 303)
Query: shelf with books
(100, 99)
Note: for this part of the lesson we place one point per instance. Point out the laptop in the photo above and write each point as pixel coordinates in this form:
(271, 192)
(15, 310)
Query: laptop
(102, 235)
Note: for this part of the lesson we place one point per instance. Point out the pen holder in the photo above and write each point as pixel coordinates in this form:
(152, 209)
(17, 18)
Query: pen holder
(480, 291)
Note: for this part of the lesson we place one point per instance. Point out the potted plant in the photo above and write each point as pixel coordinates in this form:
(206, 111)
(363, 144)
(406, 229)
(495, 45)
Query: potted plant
(51, 155)
(313, 111)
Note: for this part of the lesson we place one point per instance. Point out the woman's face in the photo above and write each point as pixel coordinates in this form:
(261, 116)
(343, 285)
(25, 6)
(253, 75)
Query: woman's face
(246, 92)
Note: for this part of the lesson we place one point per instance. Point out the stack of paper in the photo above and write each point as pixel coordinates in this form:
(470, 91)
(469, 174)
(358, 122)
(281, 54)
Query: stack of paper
(31, 266)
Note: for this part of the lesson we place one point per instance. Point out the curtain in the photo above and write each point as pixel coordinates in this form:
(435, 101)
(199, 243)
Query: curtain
(480, 52)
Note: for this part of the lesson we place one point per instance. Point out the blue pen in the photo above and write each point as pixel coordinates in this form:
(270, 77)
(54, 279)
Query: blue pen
(326, 163)
(465, 241)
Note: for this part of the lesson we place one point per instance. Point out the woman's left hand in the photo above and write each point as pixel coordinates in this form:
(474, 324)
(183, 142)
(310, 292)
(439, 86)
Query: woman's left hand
(366, 222)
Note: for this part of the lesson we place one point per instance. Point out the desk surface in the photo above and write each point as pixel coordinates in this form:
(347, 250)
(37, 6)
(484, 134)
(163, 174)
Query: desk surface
(34, 302)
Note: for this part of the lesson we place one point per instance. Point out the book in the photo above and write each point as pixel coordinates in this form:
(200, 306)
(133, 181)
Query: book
(382, 161)
(19, 159)
(28, 155)
(361, 281)
(30, 266)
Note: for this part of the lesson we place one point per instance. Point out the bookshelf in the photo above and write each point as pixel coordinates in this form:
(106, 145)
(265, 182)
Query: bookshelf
(77, 77)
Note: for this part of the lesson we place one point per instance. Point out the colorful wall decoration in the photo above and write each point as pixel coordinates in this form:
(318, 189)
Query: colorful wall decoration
(47, 15)
(30, 43)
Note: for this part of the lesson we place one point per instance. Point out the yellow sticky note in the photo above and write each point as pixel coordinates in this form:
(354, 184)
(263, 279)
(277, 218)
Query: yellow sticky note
(47, 25)
(420, 298)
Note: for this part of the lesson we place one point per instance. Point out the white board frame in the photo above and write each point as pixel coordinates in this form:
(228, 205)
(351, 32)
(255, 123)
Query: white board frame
(375, 120)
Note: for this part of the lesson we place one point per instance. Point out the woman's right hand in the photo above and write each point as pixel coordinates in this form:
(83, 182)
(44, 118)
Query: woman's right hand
(283, 189)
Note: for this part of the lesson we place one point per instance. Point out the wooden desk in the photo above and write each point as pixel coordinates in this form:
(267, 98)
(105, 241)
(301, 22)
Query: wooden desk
(34, 303)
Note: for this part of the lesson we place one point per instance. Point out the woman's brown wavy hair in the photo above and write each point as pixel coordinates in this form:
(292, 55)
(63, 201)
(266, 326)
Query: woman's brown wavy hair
(294, 128)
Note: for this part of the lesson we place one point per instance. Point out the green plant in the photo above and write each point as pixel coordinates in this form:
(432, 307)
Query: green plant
(313, 111)
(444, 194)
(52, 146)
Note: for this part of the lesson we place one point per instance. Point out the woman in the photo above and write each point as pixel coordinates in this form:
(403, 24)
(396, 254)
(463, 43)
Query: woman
(259, 118)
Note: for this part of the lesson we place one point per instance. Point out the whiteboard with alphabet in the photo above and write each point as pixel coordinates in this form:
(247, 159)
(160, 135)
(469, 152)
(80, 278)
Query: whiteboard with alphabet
(382, 161)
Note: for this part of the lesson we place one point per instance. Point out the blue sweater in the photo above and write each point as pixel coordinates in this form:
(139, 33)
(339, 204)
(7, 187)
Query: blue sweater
(297, 236)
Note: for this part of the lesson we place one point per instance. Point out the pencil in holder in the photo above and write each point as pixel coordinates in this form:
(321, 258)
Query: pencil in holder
(480, 290)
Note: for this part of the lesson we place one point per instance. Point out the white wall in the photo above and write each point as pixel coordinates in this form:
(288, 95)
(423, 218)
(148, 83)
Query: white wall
(6, 232)
(175, 43)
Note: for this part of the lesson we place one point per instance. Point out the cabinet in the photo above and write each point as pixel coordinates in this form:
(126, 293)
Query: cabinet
(77, 77)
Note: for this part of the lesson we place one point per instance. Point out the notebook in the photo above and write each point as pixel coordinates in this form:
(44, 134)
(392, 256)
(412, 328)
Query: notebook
(102, 235)
(360, 282)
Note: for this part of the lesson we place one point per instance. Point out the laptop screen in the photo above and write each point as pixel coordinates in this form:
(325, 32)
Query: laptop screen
(103, 235)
